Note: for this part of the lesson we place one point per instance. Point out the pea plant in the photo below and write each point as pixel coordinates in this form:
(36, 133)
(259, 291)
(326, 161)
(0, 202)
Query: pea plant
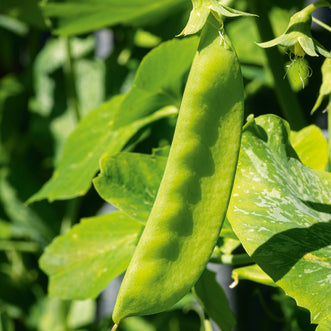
(165, 144)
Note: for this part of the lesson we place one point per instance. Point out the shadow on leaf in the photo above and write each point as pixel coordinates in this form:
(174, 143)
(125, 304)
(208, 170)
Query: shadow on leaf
(282, 251)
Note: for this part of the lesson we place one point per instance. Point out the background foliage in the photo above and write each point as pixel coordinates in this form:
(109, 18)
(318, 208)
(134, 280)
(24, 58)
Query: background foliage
(87, 116)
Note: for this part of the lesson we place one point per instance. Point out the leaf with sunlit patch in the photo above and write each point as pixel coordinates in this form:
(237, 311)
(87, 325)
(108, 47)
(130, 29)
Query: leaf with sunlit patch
(281, 212)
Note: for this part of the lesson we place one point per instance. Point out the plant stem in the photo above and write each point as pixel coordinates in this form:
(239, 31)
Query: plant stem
(22, 246)
(322, 24)
(237, 259)
(288, 101)
(315, 5)
(71, 80)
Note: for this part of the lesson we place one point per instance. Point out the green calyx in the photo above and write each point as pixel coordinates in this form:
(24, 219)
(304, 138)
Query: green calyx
(298, 37)
(201, 10)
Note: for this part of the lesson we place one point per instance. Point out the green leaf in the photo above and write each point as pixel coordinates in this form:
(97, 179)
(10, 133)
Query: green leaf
(81, 154)
(159, 80)
(253, 273)
(311, 147)
(213, 300)
(82, 262)
(83, 16)
(108, 128)
(280, 210)
(130, 182)
(325, 326)
(92, 138)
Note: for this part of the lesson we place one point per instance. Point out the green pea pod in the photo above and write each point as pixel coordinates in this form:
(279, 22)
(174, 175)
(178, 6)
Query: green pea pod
(193, 197)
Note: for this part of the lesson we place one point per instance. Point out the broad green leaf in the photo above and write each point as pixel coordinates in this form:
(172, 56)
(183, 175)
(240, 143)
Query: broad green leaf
(83, 16)
(109, 128)
(160, 74)
(253, 273)
(81, 154)
(92, 138)
(130, 182)
(325, 326)
(83, 261)
(280, 210)
(311, 147)
(213, 300)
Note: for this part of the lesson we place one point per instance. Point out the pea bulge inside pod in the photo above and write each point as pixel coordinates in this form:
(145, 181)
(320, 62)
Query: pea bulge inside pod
(194, 193)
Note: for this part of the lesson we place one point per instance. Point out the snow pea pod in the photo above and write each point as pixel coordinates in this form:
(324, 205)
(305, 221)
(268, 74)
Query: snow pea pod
(192, 200)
